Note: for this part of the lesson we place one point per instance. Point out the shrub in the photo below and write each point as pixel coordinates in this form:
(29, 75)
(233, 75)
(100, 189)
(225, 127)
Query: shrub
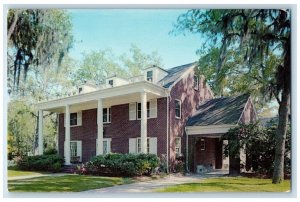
(259, 144)
(52, 163)
(122, 164)
(50, 151)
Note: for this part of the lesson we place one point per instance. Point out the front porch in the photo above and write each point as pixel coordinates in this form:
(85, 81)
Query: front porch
(101, 101)
(205, 149)
(206, 154)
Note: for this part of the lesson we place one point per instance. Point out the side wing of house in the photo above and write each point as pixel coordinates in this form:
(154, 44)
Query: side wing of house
(186, 96)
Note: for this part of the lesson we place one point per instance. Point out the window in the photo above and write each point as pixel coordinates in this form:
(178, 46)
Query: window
(73, 148)
(73, 119)
(106, 115)
(202, 144)
(106, 145)
(150, 76)
(177, 146)
(178, 109)
(139, 145)
(111, 82)
(75, 151)
(196, 82)
(139, 110)
(80, 90)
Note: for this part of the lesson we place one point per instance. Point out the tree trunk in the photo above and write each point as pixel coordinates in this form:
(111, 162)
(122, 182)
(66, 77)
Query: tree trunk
(278, 173)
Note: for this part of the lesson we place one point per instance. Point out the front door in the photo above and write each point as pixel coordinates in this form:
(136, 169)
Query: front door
(76, 154)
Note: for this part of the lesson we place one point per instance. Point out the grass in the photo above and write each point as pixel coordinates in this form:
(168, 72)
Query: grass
(66, 183)
(19, 173)
(230, 184)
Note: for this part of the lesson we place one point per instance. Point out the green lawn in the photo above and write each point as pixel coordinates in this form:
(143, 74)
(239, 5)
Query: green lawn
(230, 184)
(67, 183)
(18, 173)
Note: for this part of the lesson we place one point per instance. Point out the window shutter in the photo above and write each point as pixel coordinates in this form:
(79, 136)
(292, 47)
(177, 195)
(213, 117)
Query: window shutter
(153, 145)
(108, 145)
(153, 108)
(79, 150)
(79, 118)
(132, 111)
(132, 145)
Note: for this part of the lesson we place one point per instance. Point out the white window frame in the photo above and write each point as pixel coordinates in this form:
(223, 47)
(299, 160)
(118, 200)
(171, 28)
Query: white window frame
(150, 79)
(78, 148)
(148, 110)
(108, 144)
(196, 83)
(138, 142)
(112, 85)
(108, 115)
(108, 141)
(78, 119)
(178, 146)
(202, 140)
(179, 109)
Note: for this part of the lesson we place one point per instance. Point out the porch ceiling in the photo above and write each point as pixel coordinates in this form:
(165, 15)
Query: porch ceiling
(112, 96)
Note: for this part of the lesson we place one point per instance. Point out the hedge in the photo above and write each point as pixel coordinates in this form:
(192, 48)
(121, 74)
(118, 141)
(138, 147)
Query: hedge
(122, 164)
(51, 163)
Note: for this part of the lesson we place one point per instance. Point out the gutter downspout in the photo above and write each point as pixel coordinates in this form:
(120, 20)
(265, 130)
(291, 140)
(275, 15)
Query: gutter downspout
(168, 127)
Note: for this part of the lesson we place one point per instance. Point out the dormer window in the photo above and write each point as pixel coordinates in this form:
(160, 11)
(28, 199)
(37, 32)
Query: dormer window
(150, 76)
(80, 90)
(111, 82)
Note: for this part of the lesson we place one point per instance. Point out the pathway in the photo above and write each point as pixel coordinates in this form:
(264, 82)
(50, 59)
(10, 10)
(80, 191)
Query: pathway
(151, 185)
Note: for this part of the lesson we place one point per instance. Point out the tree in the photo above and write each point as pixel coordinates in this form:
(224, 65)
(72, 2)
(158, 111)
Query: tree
(98, 65)
(137, 61)
(258, 142)
(256, 42)
(36, 37)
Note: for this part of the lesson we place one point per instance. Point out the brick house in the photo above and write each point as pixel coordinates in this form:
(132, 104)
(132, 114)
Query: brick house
(169, 113)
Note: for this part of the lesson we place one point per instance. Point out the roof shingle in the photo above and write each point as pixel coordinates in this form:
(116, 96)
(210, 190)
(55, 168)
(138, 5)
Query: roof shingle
(223, 110)
(173, 74)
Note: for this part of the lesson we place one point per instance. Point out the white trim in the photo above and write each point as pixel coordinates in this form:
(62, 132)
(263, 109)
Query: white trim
(180, 109)
(210, 130)
(243, 111)
(143, 86)
(187, 72)
(107, 115)
(179, 145)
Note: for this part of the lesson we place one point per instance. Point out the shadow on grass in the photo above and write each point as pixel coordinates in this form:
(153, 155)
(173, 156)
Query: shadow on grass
(68, 183)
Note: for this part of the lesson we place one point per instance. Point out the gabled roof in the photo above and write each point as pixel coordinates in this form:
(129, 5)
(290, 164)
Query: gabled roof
(173, 74)
(219, 111)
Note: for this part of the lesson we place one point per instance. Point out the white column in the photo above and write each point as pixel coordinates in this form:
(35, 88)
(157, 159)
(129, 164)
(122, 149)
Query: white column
(40, 127)
(143, 122)
(67, 137)
(100, 127)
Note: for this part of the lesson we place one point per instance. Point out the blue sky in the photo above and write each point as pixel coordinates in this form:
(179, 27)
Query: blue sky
(117, 29)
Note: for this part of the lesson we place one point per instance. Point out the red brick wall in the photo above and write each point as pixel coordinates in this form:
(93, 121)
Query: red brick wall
(120, 130)
(191, 99)
(209, 156)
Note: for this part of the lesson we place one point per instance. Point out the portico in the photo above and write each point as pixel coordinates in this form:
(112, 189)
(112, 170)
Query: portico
(140, 92)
